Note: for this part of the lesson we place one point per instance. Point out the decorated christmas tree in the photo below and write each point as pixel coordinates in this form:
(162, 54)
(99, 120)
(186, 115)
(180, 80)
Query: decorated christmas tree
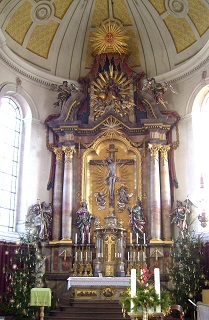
(188, 277)
(24, 274)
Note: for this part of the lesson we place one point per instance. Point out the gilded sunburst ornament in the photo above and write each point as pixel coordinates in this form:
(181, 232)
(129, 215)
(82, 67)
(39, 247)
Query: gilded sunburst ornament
(109, 38)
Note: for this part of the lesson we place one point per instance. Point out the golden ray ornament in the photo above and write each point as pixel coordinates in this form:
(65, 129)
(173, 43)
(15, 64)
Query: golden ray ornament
(109, 38)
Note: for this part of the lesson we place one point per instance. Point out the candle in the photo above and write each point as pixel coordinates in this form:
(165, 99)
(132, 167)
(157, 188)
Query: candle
(144, 239)
(76, 238)
(130, 237)
(157, 285)
(76, 256)
(82, 237)
(133, 286)
(81, 256)
(89, 237)
(137, 238)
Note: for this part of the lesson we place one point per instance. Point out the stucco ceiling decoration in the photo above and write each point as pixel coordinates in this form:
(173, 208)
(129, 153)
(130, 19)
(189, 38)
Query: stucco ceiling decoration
(54, 36)
(109, 38)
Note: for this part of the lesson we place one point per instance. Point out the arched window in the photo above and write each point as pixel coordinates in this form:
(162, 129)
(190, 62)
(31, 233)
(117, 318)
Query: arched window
(200, 116)
(10, 145)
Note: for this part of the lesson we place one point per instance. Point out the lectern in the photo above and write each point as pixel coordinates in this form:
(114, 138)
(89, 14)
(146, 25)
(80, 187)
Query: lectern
(40, 297)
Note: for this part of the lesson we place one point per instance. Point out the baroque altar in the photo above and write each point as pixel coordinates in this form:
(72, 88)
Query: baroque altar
(112, 173)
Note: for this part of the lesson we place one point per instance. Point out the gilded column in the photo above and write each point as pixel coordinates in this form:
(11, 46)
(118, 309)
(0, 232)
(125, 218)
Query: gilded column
(155, 201)
(165, 192)
(57, 196)
(67, 199)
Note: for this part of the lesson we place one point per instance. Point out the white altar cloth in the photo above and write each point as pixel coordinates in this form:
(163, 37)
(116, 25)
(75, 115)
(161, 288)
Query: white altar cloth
(98, 282)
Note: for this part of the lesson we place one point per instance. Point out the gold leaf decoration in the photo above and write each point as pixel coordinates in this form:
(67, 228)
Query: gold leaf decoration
(110, 37)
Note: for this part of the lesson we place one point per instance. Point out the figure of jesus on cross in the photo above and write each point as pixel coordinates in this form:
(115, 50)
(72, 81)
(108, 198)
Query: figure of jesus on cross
(111, 176)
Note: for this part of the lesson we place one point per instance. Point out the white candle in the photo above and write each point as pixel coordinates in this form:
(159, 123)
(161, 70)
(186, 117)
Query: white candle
(89, 237)
(81, 255)
(82, 237)
(137, 238)
(91, 255)
(157, 285)
(76, 238)
(76, 256)
(133, 286)
(130, 237)
(144, 239)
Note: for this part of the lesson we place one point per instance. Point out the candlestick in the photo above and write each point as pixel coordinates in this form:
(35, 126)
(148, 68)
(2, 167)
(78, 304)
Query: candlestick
(133, 286)
(157, 285)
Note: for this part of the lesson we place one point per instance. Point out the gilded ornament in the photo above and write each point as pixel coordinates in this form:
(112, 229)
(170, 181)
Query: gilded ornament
(58, 153)
(69, 151)
(110, 37)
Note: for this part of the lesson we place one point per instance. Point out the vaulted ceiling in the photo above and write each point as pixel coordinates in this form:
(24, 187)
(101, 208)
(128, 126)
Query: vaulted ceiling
(54, 35)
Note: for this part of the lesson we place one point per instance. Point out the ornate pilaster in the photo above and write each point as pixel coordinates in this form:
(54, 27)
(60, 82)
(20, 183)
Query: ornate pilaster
(57, 197)
(67, 199)
(165, 192)
(155, 201)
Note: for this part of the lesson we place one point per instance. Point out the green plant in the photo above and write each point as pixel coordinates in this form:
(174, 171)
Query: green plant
(146, 296)
(187, 271)
(24, 274)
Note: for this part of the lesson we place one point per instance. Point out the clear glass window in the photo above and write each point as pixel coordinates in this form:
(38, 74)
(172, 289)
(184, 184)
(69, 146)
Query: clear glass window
(10, 142)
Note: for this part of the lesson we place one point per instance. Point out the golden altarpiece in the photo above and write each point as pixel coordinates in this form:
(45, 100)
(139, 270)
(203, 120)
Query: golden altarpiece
(112, 173)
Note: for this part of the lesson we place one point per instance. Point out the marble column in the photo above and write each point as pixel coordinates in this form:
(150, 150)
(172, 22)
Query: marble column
(165, 192)
(57, 196)
(67, 199)
(155, 201)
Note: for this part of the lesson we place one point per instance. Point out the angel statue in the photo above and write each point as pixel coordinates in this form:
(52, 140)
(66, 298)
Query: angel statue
(181, 214)
(39, 219)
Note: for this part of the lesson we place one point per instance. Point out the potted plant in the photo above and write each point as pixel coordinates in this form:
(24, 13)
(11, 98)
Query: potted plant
(146, 299)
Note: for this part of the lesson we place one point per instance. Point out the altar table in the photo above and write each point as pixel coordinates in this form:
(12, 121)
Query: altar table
(98, 281)
(98, 287)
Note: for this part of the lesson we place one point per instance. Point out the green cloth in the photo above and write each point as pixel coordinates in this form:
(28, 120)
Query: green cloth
(40, 297)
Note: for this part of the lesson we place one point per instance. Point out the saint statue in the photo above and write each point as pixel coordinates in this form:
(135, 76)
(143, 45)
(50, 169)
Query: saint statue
(136, 219)
(83, 222)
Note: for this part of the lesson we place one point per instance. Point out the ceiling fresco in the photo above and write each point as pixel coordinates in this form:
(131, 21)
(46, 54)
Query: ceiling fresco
(54, 36)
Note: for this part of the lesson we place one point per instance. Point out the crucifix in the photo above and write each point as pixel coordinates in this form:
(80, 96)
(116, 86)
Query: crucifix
(111, 164)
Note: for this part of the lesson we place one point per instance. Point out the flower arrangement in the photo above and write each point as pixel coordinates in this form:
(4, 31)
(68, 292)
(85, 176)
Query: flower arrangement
(146, 298)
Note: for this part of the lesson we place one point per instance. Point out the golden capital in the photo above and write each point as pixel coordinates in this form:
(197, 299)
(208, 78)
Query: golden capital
(154, 149)
(69, 151)
(164, 152)
(58, 153)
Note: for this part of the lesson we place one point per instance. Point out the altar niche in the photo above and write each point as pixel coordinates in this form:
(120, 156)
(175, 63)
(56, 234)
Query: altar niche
(111, 179)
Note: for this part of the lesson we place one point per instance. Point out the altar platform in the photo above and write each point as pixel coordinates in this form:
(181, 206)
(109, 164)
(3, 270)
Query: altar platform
(98, 288)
